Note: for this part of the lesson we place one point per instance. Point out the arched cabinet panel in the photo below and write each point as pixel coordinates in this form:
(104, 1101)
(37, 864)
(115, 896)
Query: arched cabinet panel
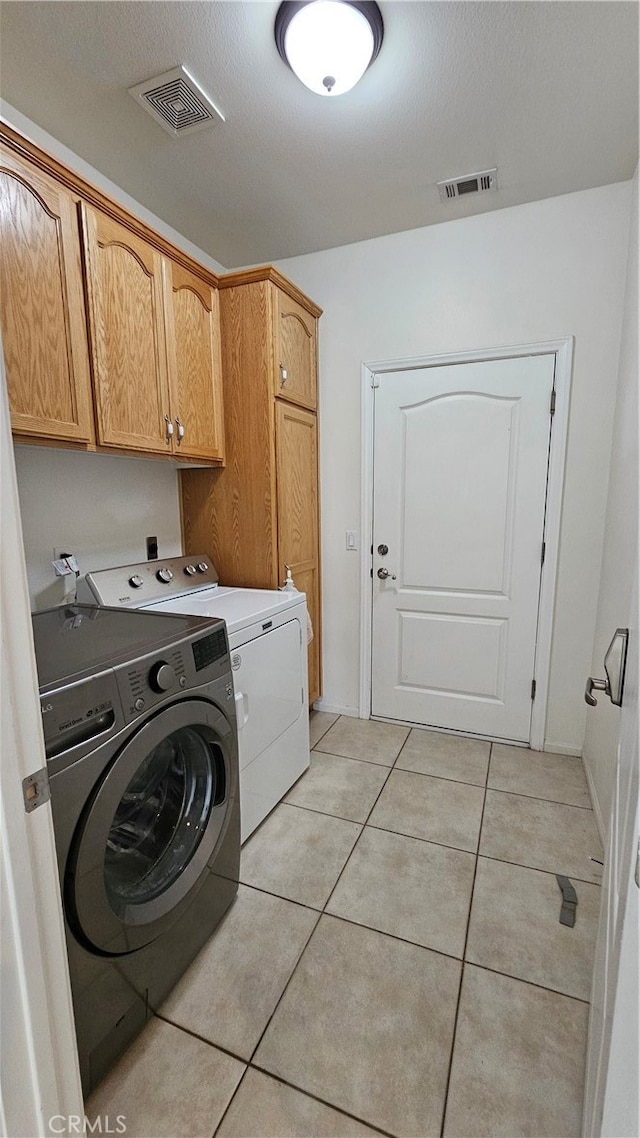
(42, 315)
(127, 336)
(195, 368)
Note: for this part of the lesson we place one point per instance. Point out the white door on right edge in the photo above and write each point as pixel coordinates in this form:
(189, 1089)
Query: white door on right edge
(460, 476)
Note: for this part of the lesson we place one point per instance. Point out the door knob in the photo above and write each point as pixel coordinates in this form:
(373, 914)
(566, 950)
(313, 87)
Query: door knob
(614, 666)
(384, 573)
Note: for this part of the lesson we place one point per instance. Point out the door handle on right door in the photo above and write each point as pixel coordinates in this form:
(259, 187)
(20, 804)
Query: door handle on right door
(614, 666)
(384, 573)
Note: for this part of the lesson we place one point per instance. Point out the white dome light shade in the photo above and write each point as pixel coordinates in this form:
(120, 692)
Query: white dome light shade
(329, 44)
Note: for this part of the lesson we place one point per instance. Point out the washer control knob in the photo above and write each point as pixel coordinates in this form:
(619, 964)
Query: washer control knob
(202, 567)
(189, 570)
(136, 581)
(139, 703)
(162, 676)
(164, 575)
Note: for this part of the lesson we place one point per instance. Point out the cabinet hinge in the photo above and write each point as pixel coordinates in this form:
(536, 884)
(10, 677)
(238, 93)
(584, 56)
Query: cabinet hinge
(35, 790)
(552, 408)
(375, 380)
(543, 552)
(533, 689)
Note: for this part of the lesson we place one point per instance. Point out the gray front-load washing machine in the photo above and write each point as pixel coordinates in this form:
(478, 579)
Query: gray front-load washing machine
(141, 742)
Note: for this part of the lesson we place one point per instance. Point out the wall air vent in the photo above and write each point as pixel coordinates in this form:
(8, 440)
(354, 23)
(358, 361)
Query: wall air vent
(177, 102)
(470, 184)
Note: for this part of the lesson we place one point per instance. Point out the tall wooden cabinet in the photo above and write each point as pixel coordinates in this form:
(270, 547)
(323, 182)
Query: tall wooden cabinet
(261, 512)
(42, 312)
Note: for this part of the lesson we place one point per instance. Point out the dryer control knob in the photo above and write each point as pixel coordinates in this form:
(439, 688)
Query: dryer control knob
(189, 570)
(164, 575)
(202, 567)
(136, 581)
(162, 676)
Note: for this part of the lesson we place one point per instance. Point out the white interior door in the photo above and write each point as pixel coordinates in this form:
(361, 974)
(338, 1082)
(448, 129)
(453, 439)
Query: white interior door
(460, 474)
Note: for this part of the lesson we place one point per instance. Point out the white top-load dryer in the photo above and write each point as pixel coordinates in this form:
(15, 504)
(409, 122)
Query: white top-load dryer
(267, 632)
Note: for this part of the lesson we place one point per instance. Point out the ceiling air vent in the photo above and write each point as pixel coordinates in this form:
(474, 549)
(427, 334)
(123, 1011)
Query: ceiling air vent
(177, 102)
(470, 184)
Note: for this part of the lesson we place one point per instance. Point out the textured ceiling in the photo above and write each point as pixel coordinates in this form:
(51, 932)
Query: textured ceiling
(545, 91)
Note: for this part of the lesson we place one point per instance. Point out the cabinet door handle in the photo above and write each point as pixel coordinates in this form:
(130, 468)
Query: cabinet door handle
(284, 375)
(180, 427)
(169, 429)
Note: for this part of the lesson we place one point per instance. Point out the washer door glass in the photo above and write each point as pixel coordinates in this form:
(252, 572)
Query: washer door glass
(161, 818)
(151, 831)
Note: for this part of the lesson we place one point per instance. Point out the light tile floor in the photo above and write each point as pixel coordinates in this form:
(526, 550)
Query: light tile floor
(394, 962)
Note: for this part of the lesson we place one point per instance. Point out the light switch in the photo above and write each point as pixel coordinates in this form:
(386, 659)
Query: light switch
(352, 539)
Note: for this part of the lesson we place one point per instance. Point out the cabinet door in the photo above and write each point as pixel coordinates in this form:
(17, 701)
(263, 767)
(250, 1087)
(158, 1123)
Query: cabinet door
(295, 373)
(126, 321)
(195, 370)
(298, 539)
(42, 306)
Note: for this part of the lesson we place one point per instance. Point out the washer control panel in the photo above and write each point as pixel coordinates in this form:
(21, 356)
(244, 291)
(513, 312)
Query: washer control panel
(133, 586)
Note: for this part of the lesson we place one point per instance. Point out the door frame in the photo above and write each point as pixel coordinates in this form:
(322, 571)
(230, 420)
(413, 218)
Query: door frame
(40, 1086)
(563, 351)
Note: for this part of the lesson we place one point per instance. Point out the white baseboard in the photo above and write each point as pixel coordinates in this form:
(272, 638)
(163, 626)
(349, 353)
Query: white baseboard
(335, 709)
(561, 749)
(602, 829)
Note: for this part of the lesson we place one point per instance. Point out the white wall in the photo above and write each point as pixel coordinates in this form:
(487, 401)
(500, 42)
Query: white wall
(58, 150)
(619, 560)
(535, 272)
(99, 507)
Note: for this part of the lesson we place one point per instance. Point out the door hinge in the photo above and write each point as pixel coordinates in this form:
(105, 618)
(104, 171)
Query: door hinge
(35, 790)
(375, 380)
(533, 689)
(552, 408)
(543, 552)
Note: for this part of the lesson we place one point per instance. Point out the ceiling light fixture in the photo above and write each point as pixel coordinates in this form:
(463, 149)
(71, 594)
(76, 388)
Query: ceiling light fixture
(329, 43)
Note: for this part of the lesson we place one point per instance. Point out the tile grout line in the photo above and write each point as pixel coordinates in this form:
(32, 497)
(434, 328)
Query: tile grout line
(455, 781)
(231, 1100)
(539, 869)
(295, 969)
(281, 996)
(326, 731)
(201, 1038)
(537, 798)
(336, 755)
(402, 940)
(323, 1101)
(364, 824)
(304, 948)
(529, 983)
(445, 1102)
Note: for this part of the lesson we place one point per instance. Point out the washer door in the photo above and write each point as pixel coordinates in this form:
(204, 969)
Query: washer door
(152, 827)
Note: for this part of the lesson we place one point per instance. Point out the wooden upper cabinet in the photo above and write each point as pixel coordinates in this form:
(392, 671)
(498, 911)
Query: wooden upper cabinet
(127, 336)
(42, 306)
(296, 352)
(192, 322)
